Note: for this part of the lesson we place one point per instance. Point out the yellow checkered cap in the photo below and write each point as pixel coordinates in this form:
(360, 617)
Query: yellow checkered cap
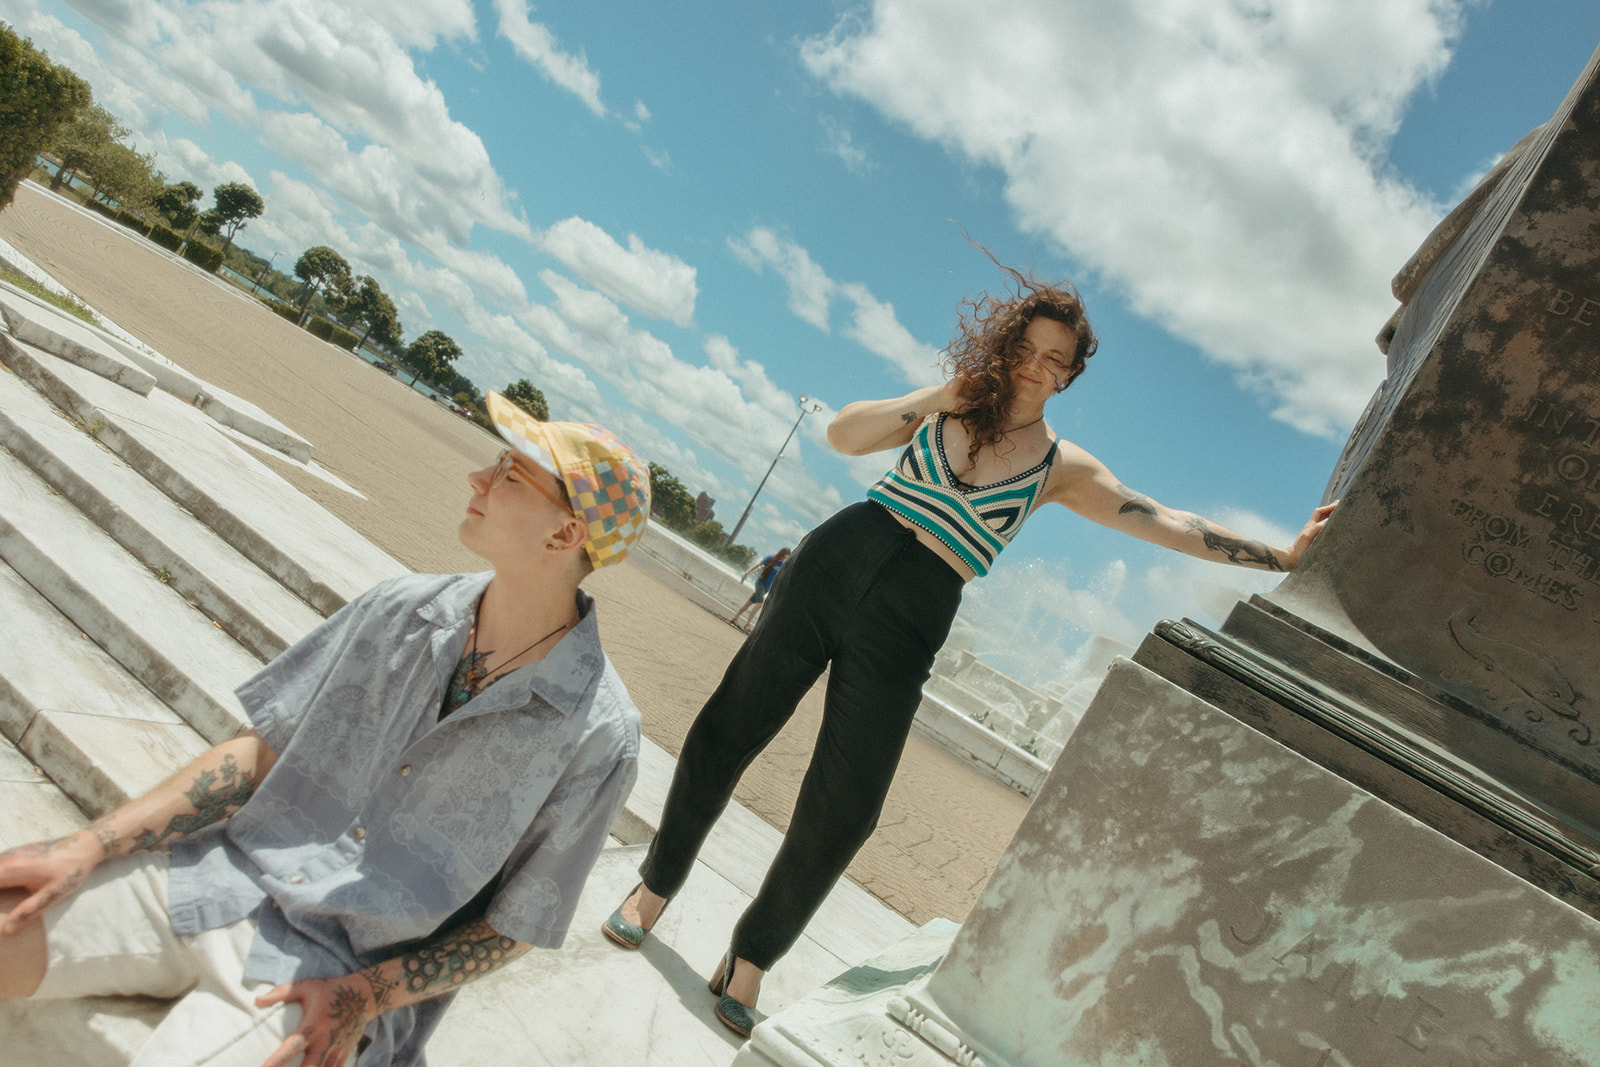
(608, 485)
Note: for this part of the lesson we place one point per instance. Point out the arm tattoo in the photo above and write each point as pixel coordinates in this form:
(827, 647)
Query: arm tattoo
(381, 987)
(1238, 550)
(106, 836)
(215, 794)
(470, 952)
(908, 417)
(1137, 503)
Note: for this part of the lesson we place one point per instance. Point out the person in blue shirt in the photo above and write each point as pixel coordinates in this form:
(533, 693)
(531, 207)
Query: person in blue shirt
(769, 574)
(427, 780)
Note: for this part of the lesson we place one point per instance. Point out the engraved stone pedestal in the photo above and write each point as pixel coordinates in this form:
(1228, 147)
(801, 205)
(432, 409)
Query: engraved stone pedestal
(1361, 824)
(1188, 891)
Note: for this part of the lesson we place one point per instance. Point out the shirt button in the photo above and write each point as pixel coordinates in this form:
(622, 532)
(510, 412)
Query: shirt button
(359, 833)
(296, 879)
(405, 771)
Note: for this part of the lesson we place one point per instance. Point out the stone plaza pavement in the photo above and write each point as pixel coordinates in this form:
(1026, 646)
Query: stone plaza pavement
(159, 540)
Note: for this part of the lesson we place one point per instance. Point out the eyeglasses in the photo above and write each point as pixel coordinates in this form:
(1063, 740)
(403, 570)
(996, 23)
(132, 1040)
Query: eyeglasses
(503, 467)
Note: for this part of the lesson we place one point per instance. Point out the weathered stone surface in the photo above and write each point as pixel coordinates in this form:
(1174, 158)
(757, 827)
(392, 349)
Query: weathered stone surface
(1188, 891)
(1465, 556)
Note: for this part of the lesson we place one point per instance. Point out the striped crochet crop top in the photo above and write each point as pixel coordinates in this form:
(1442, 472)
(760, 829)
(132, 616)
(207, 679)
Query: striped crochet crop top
(973, 521)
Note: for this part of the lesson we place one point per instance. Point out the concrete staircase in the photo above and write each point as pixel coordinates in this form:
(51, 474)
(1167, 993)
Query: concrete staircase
(149, 563)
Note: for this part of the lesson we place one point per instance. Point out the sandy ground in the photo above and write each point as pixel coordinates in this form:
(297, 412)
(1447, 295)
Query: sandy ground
(943, 825)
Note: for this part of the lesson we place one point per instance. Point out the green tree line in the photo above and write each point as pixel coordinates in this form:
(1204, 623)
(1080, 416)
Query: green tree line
(47, 110)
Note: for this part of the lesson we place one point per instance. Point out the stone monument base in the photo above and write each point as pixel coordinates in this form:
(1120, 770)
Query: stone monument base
(1187, 890)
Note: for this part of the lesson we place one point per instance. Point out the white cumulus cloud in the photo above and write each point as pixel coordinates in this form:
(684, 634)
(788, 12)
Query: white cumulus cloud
(537, 46)
(1218, 164)
(656, 283)
(872, 322)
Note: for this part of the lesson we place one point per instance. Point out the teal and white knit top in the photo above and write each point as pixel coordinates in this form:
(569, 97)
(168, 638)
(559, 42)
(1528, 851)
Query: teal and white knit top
(973, 521)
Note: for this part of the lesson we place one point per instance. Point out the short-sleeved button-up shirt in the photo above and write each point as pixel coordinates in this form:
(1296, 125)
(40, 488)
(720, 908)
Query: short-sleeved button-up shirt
(379, 822)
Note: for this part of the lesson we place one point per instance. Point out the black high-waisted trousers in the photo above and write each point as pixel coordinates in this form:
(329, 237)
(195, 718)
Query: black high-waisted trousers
(859, 591)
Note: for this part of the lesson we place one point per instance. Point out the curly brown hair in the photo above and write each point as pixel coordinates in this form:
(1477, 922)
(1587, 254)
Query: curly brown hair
(984, 351)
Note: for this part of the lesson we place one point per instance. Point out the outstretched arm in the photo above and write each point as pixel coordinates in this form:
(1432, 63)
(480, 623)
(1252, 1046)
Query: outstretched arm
(337, 1010)
(1083, 484)
(213, 787)
(874, 425)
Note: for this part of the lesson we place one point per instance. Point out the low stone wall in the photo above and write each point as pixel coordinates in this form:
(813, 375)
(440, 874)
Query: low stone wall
(695, 565)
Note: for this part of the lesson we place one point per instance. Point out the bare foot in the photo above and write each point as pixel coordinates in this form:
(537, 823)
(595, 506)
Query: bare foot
(643, 907)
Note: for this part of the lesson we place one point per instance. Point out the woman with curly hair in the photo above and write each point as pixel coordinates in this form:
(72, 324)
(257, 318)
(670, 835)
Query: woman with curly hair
(873, 591)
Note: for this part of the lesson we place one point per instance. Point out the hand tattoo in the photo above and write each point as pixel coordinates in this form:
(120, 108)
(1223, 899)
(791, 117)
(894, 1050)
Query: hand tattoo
(474, 951)
(215, 794)
(1237, 549)
(69, 883)
(347, 1014)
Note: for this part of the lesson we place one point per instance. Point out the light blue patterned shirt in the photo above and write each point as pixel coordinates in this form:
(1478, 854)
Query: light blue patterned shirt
(379, 823)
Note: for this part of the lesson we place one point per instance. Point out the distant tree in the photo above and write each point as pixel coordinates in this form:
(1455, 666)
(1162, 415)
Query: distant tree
(432, 354)
(317, 267)
(76, 144)
(123, 175)
(669, 499)
(37, 98)
(237, 204)
(368, 306)
(740, 556)
(177, 204)
(453, 383)
(528, 397)
(708, 535)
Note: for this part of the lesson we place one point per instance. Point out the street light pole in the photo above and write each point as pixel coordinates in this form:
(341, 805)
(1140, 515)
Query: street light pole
(807, 407)
(263, 273)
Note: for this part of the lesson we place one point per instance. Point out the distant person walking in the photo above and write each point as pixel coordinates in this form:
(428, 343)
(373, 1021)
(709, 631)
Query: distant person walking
(769, 574)
(873, 591)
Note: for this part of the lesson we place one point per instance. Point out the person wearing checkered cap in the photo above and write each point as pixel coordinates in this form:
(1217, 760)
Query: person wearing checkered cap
(429, 778)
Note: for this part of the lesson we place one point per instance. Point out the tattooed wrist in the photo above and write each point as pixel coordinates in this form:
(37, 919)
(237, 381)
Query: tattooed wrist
(382, 987)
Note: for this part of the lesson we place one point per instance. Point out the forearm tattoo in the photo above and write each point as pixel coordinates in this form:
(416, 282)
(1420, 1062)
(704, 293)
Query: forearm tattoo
(1137, 503)
(215, 793)
(458, 957)
(1238, 550)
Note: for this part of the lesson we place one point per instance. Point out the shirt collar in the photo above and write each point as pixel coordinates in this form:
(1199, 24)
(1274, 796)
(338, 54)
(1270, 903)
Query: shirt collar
(563, 678)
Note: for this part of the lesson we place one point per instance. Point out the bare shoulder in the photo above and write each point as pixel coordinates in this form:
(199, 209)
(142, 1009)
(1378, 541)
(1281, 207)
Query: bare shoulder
(1074, 467)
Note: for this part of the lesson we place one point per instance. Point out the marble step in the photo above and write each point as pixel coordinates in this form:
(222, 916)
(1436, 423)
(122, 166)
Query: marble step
(71, 339)
(35, 807)
(180, 655)
(76, 714)
(41, 325)
(247, 602)
(184, 454)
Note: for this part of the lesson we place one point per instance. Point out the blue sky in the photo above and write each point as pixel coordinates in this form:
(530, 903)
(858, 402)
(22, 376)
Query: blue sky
(676, 223)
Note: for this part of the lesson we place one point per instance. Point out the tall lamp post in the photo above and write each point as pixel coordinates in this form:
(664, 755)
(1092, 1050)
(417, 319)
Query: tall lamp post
(808, 406)
(262, 273)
